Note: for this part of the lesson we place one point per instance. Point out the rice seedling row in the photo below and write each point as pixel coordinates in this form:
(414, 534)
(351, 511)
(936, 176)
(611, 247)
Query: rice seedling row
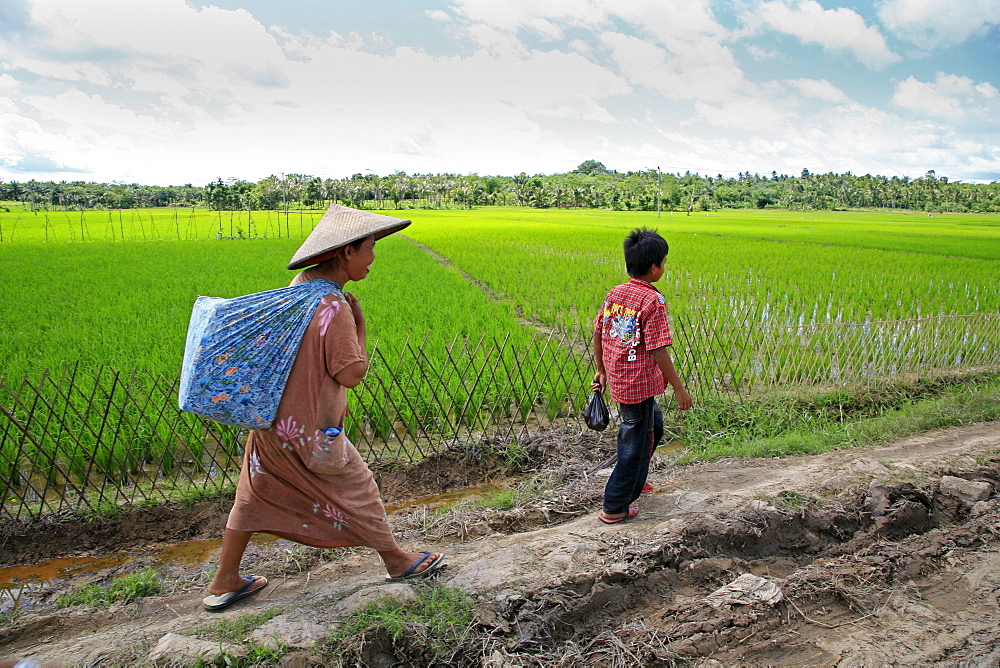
(755, 303)
(760, 299)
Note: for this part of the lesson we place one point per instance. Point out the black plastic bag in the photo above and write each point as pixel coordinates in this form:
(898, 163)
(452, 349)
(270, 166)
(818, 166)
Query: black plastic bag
(596, 414)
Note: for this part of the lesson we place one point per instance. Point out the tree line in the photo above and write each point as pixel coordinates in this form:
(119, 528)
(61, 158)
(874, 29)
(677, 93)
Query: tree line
(590, 185)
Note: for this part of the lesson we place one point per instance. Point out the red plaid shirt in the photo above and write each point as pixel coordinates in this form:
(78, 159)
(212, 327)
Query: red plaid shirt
(633, 321)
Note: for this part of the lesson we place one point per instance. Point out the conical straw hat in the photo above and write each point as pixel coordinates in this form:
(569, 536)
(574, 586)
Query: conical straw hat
(339, 226)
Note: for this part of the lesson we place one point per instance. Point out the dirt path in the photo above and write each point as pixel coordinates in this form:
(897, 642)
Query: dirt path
(879, 559)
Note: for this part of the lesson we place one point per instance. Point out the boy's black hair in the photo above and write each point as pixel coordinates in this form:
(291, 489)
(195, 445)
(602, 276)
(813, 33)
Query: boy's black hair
(643, 249)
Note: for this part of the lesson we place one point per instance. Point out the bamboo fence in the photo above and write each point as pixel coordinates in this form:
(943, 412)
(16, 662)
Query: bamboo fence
(82, 440)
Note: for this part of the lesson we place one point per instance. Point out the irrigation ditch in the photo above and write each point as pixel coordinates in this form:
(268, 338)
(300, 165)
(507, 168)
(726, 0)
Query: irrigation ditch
(883, 555)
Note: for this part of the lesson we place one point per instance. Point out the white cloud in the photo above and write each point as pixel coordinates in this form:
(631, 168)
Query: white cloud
(838, 30)
(952, 97)
(227, 92)
(840, 138)
(541, 16)
(819, 90)
(693, 76)
(939, 23)
(673, 46)
(24, 142)
(162, 92)
(831, 138)
(746, 113)
(677, 50)
(672, 23)
(187, 63)
(757, 53)
(8, 87)
(496, 42)
(122, 36)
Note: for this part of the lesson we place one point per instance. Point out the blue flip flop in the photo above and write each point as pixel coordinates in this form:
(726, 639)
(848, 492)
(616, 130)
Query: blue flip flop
(413, 573)
(220, 601)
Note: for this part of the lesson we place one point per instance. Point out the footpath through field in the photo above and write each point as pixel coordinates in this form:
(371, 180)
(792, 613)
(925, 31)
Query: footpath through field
(537, 325)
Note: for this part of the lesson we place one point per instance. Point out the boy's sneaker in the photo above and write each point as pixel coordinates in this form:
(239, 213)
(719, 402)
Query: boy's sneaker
(647, 488)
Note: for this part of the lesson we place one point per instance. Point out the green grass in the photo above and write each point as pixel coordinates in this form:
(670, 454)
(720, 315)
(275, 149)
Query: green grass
(786, 426)
(777, 267)
(790, 500)
(8, 617)
(237, 630)
(502, 499)
(756, 298)
(177, 493)
(124, 589)
(127, 305)
(429, 627)
(527, 491)
(21, 225)
(253, 655)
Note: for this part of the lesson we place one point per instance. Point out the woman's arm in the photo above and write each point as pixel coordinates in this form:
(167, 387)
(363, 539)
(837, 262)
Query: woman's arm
(352, 374)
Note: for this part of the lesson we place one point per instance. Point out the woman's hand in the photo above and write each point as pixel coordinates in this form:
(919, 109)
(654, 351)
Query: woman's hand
(359, 317)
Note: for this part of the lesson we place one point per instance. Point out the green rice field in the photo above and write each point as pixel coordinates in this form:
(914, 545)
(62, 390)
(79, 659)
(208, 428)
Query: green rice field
(474, 317)
(777, 268)
(99, 291)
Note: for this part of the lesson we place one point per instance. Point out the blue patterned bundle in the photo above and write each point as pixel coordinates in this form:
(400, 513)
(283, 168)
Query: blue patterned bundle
(240, 351)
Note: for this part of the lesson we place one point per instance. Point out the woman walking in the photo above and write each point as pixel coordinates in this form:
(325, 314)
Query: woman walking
(301, 479)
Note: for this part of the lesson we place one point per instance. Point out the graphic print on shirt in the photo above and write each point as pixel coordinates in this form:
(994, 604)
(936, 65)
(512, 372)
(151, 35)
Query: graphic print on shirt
(624, 326)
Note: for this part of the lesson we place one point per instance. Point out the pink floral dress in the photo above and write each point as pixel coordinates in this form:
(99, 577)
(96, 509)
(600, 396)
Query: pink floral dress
(295, 478)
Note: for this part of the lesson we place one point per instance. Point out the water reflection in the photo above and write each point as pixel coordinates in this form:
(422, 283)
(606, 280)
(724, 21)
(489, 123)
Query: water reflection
(26, 587)
(21, 587)
(444, 499)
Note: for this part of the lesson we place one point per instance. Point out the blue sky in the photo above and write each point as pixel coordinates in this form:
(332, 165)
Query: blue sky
(173, 91)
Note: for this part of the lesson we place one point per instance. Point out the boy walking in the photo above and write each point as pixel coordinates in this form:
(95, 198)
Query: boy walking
(631, 335)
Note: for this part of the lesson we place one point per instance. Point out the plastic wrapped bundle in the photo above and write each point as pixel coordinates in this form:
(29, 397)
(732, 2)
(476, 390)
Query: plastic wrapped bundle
(240, 351)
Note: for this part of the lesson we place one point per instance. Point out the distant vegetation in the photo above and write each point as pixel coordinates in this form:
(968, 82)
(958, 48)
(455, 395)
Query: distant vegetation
(590, 185)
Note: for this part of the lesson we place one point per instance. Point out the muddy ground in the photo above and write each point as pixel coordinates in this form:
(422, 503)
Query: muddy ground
(881, 556)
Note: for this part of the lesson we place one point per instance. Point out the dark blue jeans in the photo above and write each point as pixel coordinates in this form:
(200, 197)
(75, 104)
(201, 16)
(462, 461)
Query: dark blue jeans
(639, 433)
